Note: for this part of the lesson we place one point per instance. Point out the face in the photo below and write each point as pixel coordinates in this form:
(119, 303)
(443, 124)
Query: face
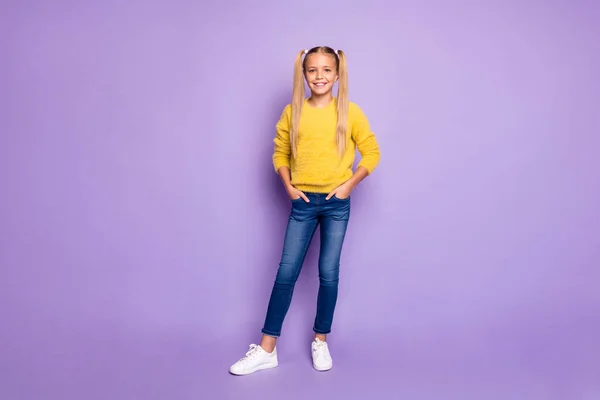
(320, 73)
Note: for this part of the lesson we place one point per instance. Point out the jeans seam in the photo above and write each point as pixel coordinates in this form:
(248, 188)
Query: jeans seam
(270, 333)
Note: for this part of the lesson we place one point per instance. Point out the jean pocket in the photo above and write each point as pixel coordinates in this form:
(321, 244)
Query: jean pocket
(344, 199)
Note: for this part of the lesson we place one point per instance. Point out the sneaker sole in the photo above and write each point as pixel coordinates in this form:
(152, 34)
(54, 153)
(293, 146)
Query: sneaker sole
(322, 369)
(255, 369)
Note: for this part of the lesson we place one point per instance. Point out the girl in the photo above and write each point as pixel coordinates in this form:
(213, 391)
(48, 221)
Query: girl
(314, 149)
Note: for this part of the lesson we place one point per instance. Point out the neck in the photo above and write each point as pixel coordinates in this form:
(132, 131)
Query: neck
(320, 101)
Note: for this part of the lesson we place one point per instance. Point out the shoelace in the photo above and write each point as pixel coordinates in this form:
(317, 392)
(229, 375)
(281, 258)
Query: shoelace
(320, 348)
(250, 354)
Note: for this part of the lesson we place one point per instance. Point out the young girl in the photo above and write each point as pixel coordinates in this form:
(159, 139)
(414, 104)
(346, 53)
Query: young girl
(314, 151)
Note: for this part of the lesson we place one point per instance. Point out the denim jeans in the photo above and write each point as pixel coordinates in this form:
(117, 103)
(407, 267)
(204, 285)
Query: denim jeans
(332, 216)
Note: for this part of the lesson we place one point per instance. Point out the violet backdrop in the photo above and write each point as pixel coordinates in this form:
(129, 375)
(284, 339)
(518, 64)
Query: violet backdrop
(142, 221)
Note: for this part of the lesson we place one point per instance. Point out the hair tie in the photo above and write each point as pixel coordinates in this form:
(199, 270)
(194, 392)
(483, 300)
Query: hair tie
(305, 51)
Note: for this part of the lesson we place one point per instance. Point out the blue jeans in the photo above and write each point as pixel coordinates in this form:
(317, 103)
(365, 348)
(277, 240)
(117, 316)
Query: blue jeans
(332, 215)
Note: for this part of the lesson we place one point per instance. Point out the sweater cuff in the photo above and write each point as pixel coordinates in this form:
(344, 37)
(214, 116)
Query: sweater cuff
(280, 162)
(369, 166)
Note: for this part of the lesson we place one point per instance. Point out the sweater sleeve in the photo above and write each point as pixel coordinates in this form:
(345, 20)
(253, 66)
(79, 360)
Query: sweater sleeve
(282, 149)
(365, 140)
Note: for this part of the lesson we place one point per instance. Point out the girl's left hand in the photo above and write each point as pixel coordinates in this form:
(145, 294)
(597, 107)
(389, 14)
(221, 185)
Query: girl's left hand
(341, 192)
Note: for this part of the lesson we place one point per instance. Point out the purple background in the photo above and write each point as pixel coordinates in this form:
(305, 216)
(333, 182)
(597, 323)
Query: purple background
(142, 221)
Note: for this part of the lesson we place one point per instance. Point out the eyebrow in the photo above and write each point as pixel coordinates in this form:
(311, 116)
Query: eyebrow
(312, 66)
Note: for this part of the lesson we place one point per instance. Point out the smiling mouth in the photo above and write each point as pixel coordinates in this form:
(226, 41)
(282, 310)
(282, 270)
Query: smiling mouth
(321, 84)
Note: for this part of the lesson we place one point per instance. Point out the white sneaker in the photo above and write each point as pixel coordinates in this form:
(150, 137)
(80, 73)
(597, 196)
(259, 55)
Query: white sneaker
(320, 355)
(255, 359)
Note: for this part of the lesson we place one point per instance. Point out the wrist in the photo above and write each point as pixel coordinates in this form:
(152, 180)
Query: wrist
(356, 178)
(349, 184)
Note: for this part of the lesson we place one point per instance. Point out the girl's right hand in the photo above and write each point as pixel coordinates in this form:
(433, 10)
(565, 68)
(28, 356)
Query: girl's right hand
(295, 194)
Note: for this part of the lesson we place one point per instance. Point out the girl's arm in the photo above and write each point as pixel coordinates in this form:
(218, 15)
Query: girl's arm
(360, 174)
(345, 188)
(366, 142)
(281, 155)
(293, 193)
(282, 149)
(367, 146)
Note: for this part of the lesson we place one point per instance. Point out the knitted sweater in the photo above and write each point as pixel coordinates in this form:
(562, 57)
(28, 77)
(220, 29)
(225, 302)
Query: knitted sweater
(318, 167)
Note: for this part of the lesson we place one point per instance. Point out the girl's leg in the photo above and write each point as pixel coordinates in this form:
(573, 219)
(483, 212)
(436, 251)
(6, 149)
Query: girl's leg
(301, 227)
(268, 343)
(300, 230)
(334, 222)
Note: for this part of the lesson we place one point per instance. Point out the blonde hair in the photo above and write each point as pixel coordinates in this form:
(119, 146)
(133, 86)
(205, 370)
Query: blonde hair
(298, 96)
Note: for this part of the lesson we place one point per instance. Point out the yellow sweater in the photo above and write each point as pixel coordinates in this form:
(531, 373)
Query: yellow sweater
(318, 167)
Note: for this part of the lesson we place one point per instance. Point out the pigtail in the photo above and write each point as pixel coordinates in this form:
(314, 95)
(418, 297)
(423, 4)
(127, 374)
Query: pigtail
(342, 103)
(297, 101)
